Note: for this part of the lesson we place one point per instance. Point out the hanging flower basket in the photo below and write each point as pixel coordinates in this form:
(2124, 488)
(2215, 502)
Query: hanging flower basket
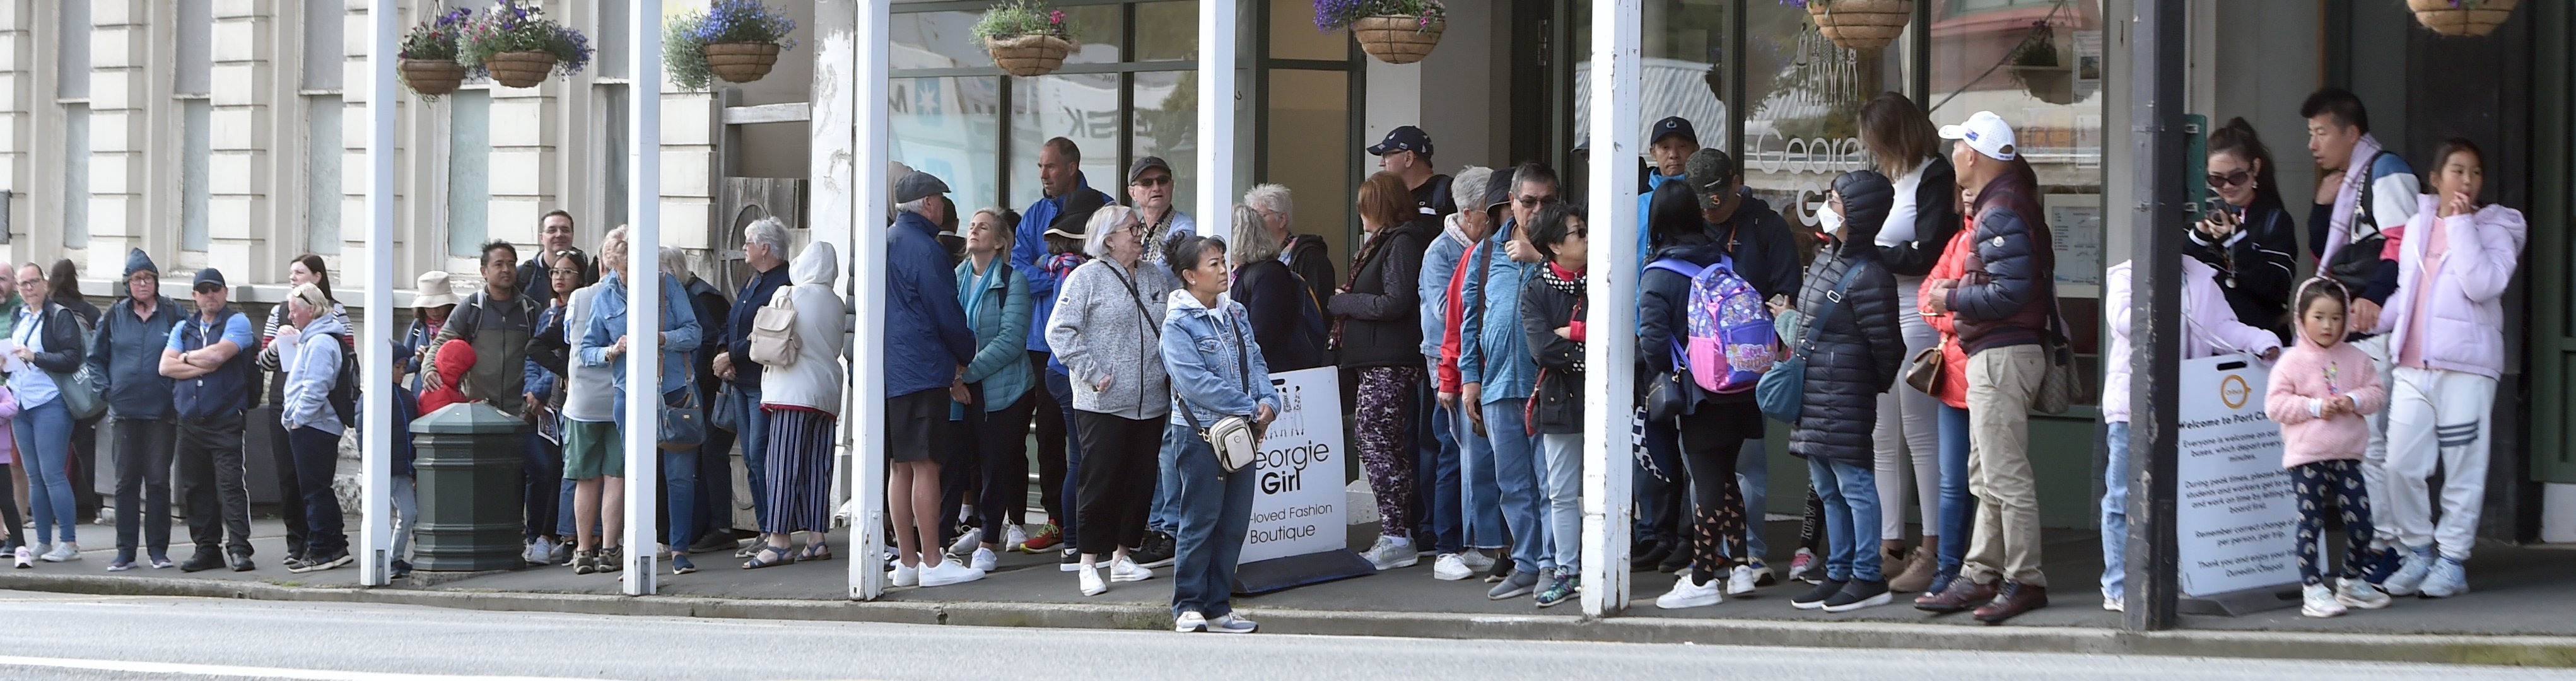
(431, 78)
(428, 56)
(1398, 39)
(1860, 24)
(736, 40)
(2461, 17)
(515, 44)
(1028, 55)
(520, 69)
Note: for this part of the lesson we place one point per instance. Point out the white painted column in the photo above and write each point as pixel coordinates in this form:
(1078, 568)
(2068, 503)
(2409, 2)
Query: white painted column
(1216, 116)
(643, 299)
(863, 165)
(1610, 307)
(375, 354)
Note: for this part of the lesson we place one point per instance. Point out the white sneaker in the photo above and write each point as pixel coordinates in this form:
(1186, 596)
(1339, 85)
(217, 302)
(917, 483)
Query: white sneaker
(2447, 578)
(2114, 604)
(542, 551)
(63, 552)
(1387, 555)
(2412, 567)
(948, 572)
(966, 543)
(904, 575)
(1451, 568)
(1013, 537)
(1741, 582)
(1092, 585)
(1476, 560)
(1232, 624)
(1190, 622)
(1688, 595)
(2318, 601)
(983, 560)
(2355, 593)
(1124, 569)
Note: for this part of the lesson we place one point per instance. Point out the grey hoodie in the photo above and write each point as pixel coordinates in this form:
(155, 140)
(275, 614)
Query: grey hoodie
(310, 377)
(1099, 329)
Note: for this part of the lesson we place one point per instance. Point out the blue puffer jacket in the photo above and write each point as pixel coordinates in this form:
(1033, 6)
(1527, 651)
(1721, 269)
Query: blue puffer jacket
(1500, 357)
(926, 337)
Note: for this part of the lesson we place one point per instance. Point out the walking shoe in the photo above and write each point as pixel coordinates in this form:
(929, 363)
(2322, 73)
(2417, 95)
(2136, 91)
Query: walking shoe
(562, 554)
(1190, 622)
(680, 564)
(1963, 594)
(2315, 600)
(1231, 623)
(1680, 560)
(1745, 577)
(2448, 578)
(63, 552)
(1092, 584)
(2114, 604)
(1920, 568)
(1803, 566)
(1653, 555)
(1518, 585)
(1013, 536)
(1566, 586)
(948, 572)
(325, 561)
(1450, 568)
(1126, 570)
(241, 563)
(1476, 560)
(1502, 570)
(1388, 555)
(2412, 567)
(903, 575)
(121, 564)
(23, 558)
(1816, 597)
(1686, 594)
(715, 541)
(1157, 551)
(202, 561)
(1048, 537)
(529, 554)
(1068, 560)
(161, 563)
(983, 560)
(966, 542)
(1859, 594)
(2011, 600)
(2359, 593)
(400, 569)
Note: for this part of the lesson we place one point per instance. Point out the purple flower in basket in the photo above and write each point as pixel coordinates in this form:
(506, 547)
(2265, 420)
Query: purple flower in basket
(1800, 4)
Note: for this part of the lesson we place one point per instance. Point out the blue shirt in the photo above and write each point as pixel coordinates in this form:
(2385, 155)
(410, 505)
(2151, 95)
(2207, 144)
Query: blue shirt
(32, 386)
(1028, 248)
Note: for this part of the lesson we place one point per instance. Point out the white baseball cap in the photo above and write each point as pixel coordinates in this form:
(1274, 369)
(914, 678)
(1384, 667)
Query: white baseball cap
(1985, 132)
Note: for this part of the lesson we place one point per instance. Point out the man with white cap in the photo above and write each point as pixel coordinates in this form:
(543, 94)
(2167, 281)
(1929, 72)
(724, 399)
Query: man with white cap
(2002, 307)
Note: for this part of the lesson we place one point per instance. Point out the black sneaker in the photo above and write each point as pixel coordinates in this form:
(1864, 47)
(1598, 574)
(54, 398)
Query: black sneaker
(1824, 591)
(241, 563)
(401, 569)
(1857, 595)
(1156, 553)
(323, 562)
(1675, 563)
(202, 561)
(294, 562)
(562, 554)
(716, 541)
(1653, 555)
(1502, 569)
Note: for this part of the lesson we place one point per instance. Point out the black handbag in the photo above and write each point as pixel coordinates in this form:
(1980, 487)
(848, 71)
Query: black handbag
(684, 422)
(2358, 261)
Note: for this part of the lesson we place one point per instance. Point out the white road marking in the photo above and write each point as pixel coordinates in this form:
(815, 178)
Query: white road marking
(137, 667)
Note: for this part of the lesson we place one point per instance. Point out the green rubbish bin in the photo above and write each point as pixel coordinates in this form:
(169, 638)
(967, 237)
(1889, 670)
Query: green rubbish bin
(468, 469)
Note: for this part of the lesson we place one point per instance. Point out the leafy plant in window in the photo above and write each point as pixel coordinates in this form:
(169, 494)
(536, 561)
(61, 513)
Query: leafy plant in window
(518, 46)
(1025, 37)
(736, 40)
(2461, 17)
(428, 53)
(1393, 31)
(1858, 24)
(2036, 66)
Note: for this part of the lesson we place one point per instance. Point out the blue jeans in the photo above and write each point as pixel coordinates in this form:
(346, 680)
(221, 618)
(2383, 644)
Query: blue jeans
(1438, 463)
(754, 437)
(1061, 386)
(563, 512)
(1164, 515)
(1753, 475)
(1957, 507)
(1565, 497)
(317, 458)
(1850, 494)
(541, 463)
(680, 497)
(406, 493)
(2115, 514)
(1517, 472)
(1660, 503)
(1478, 497)
(44, 436)
(1215, 511)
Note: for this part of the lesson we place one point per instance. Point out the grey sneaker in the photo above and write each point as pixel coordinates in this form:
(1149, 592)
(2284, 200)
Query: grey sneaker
(1518, 585)
(1386, 555)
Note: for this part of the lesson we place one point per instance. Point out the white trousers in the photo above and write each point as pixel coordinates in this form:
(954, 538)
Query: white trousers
(1909, 429)
(2436, 417)
(2374, 458)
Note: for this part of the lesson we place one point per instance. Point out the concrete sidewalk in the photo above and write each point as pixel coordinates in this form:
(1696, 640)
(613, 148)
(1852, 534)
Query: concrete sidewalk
(2517, 616)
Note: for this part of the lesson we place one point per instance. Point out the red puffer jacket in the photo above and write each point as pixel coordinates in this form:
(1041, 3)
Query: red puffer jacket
(1953, 387)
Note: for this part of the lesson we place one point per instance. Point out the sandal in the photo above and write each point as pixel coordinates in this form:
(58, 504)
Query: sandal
(813, 552)
(768, 556)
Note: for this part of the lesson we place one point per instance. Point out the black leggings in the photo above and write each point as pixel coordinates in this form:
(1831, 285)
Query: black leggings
(1712, 438)
(1005, 453)
(9, 510)
(2315, 484)
(1115, 487)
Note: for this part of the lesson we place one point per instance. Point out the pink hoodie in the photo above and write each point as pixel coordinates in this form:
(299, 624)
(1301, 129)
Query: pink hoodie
(2306, 376)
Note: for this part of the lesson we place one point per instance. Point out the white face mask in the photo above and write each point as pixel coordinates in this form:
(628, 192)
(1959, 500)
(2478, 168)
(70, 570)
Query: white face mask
(1830, 220)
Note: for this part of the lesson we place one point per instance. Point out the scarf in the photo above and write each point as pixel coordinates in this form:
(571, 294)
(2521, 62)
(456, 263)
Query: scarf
(2364, 151)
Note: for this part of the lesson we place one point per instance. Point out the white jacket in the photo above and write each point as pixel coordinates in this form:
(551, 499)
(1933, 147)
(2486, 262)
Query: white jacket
(2480, 253)
(2209, 328)
(815, 380)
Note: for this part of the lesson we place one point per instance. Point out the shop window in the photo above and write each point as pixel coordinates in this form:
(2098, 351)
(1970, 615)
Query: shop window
(323, 152)
(76, 176)
(612, 101)
(469, 164)
(1293, 34)
(194, 150)
(1310, 117)
(196, 42)
(1078, 107)
(951, 128)
(1167, 30)
(1683, 52)
(325, 49)
(611, 60)
(1165, 123)
(71, 55)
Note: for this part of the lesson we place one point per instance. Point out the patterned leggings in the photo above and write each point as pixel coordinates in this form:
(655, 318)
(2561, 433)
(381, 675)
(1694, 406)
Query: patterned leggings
(2314, 484)
(1811, 527)
(1712, 438)
(1385, 433)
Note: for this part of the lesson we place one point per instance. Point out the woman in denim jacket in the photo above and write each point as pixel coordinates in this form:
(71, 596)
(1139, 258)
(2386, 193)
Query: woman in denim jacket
(1217, 372)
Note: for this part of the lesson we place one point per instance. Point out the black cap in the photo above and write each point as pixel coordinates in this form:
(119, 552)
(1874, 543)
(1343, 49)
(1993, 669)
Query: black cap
(1498, 191)
(1673, 125)
(208, 276)
(917, 185)
(1073, 217)
(1146, 163)
(1403, 138)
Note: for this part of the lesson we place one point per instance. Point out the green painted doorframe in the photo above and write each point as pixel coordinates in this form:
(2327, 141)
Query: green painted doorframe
(2552, 341)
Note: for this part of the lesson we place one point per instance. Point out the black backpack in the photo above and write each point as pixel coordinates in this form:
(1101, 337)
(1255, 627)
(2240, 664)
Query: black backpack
(344, 387)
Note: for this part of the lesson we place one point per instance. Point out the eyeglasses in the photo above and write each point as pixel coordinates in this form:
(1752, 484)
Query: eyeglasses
(2229, 179)
(1536, 201)
(1153, 181)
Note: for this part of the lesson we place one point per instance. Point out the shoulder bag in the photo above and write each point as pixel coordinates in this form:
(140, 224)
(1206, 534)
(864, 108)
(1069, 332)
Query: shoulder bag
(1924, 371)
(773, 330)
(1232, 438)
(79, 387)
(1782, 393)
(684, 422)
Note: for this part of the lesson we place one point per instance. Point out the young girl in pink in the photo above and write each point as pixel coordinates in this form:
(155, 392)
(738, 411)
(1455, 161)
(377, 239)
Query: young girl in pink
(2319, 393)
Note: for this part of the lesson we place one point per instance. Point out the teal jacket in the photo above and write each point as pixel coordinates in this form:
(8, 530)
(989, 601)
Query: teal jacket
(1001, 322)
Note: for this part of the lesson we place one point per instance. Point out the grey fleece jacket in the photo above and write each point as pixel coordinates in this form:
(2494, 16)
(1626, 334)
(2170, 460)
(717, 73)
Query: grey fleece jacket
(1100, 329)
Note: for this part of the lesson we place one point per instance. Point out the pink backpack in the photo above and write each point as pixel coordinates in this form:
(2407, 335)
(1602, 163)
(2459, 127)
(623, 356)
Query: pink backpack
(1730, 342)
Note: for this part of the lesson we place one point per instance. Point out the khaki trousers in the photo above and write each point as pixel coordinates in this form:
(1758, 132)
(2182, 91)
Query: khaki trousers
(2001, 384)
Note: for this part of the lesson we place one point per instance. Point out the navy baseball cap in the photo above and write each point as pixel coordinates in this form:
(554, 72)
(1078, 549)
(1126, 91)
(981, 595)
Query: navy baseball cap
(1403, 138)
(1673, 125)
(208, 276)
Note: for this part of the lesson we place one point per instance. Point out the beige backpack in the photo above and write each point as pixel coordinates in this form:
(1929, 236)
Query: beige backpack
(773, 330)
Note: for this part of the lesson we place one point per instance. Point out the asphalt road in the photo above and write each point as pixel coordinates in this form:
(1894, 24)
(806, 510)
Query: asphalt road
(57, 636)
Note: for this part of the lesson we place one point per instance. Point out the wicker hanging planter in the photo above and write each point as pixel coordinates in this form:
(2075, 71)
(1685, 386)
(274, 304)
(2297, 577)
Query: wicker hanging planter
(740, 62)
(1028, 55)
(432, 77)
(1398, 39)
(1861, 24)
(2461, 17)
(520, 69)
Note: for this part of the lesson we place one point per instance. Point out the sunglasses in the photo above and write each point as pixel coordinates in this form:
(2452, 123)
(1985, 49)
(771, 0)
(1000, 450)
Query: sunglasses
(1153, 181)
(2233, 178)
(1536, 201)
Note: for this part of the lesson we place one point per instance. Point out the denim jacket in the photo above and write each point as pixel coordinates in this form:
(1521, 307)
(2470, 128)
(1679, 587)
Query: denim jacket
(608, 322)
(1206, 352)
(1493, 351)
